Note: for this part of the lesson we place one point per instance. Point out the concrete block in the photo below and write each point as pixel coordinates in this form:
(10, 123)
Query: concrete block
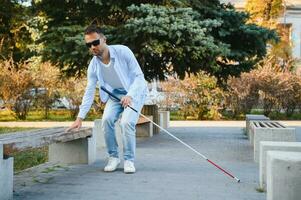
(92, 151)
(80, 151)
(250, 118)
(100, 139)
(6, 176)
(283, 175)
(145, 129)
(266, 146)
(270, 131)
(164, 118)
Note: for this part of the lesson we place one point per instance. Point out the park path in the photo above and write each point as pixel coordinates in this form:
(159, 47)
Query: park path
(165, 170)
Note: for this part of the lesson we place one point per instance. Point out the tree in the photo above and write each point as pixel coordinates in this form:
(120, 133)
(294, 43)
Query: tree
(171, 40)
(166, 36)
(265, 13)
(15, 36)
(62, 36)
(247, 42)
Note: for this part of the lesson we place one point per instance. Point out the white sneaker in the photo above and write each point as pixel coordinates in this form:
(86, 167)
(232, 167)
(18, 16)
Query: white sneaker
(129, 167)
(112, 164)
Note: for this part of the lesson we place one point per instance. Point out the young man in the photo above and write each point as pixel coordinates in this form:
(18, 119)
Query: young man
(115, 68)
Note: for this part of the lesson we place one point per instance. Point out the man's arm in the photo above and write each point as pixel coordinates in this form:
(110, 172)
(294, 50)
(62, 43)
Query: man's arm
(87, 99)
(139, 84)
(89, 93)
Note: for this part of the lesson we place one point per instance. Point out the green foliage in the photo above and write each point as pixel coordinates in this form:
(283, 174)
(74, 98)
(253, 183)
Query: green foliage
(14, 33)
(62, 34)
(65, 47)
(171, 37)
(54, 115)
(12, 129)
(166, 36)
(30, 158)
(203, 99)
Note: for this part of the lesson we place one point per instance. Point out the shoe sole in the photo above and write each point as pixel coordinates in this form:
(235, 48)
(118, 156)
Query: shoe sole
(112, 170)
(129, 172)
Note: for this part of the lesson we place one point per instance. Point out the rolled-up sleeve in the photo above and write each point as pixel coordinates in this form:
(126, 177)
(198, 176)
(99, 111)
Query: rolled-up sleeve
(88, 97)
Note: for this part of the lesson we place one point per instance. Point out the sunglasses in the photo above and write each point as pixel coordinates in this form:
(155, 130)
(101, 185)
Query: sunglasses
(94, 43)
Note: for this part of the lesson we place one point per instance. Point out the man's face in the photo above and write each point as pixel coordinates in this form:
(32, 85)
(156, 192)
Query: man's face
(96, 43)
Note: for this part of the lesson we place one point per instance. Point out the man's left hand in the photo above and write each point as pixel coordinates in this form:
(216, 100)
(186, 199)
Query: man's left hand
(126, 101)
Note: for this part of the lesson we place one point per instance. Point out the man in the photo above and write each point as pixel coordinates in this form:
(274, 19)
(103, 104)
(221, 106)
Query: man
(115, 68)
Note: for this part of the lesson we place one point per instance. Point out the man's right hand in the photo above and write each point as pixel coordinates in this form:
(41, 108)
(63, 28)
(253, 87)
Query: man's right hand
(76, 125)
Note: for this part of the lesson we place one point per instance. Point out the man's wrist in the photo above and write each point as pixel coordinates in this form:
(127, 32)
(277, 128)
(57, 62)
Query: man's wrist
(130, 97)
(80, 119)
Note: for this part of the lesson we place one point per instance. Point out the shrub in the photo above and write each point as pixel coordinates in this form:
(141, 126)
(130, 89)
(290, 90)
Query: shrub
(203, 99)
(266, 87)
(16, 82)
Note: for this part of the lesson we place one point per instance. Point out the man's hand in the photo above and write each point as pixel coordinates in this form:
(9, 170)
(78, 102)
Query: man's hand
(126, 101)
(77, 124)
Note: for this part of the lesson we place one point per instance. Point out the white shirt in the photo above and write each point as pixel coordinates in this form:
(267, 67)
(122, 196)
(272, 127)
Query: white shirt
(110, 75)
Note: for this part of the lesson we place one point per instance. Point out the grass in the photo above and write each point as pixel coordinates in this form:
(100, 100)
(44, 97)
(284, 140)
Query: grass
(176, 115)
(45, 181)
(38, 115)
(260, 190)
(65, 115)
(12, 129)
(54, 168)
(28, 158)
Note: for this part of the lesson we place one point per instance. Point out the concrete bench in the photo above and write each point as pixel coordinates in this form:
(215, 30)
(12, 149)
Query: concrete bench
(283, 175)
(164, 118)
(250, 118)
(250, 131)
(152, 110)
(270, 131)
(266, 146)
(144, 128)
(75, 147)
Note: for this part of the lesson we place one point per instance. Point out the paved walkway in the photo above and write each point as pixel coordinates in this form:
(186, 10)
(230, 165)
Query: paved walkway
(172, 123)
(165, 170)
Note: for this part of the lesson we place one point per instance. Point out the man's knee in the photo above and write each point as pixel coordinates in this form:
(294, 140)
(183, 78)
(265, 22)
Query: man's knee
(107, 121)
(127, 124)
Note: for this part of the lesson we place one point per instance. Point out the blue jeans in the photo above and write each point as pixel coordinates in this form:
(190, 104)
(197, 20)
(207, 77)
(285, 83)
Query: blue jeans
(128, 122)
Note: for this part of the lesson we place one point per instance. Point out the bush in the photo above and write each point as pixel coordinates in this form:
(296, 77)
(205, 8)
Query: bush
(267, 88)
(203, 99)
(47, 78)
(16, 82)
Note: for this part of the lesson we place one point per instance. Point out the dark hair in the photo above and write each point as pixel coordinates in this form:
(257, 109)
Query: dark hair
(93, 29)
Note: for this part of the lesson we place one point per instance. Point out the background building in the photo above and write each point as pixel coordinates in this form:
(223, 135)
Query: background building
(291, 20)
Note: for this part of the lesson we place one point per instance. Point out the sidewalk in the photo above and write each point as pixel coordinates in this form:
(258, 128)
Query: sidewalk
(165, 170)
(172, 123)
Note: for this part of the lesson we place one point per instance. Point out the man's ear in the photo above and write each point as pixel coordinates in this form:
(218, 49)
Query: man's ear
(105, 39)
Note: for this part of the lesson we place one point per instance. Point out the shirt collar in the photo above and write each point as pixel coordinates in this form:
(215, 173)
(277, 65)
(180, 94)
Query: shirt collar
(111, 52)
